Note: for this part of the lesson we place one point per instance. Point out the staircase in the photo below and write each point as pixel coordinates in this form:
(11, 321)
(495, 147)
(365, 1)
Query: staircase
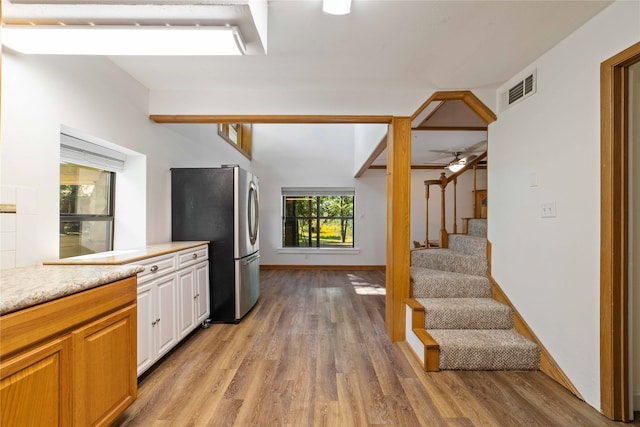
(464, 328)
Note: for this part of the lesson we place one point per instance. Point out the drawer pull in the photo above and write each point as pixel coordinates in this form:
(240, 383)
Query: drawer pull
(194, 256)
(154, 268)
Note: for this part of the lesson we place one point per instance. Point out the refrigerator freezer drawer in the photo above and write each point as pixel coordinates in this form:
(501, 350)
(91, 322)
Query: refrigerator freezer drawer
(247, 283)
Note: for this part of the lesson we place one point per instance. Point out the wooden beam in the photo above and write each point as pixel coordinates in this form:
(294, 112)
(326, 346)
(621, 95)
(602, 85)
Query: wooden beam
(285, 119)
(382, 145)
(398, 225)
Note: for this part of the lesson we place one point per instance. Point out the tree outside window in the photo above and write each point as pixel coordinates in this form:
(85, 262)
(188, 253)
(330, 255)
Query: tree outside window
(86, 210)
(318, 221)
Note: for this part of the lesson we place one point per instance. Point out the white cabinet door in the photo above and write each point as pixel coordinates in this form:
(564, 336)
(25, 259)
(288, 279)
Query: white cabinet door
(201, 297)
(166, 330)
(186, 306)
(146, 317)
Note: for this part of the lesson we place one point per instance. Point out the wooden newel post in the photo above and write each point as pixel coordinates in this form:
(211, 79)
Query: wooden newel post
(455, 205)
(426, 233)
(444, 236)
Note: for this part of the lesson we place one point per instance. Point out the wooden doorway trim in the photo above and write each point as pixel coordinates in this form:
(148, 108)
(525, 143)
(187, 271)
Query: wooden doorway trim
(614, 239)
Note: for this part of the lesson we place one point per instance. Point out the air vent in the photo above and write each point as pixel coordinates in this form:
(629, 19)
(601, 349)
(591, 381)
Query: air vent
(519, 91)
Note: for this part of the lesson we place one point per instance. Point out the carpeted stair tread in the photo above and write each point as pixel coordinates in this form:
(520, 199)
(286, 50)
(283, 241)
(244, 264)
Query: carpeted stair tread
(448, 260)
(495, 349)
(468, 245)
(429, 283)
(477, 227)
(465, 313)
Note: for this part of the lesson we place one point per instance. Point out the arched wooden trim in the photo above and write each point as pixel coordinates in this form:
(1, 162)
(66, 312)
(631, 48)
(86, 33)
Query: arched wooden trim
(467, 97)
(614, 239)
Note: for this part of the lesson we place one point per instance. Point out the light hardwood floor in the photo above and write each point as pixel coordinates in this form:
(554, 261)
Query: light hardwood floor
(314, 352)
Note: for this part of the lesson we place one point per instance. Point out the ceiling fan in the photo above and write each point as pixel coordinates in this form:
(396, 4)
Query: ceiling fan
(462, 156)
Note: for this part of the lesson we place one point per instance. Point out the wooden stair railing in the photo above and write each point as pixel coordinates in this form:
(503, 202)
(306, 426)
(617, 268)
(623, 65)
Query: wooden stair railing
(443, 181)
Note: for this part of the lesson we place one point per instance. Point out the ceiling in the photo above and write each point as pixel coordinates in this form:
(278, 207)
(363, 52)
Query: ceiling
(389, 44)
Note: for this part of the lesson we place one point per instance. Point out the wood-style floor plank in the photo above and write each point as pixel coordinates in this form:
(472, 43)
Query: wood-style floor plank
(315, 352)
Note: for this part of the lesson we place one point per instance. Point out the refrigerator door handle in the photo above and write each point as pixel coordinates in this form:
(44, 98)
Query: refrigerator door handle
(250, 259)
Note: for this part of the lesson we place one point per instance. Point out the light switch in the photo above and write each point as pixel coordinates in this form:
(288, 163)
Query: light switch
(548, 210)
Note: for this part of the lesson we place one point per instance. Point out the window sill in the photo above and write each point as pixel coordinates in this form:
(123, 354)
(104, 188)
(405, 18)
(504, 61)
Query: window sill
(320, 251)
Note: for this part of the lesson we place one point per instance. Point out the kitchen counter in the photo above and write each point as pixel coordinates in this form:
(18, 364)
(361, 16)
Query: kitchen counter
(25, 287)
(126, 256)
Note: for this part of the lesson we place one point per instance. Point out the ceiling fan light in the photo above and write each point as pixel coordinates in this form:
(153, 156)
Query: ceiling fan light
(455, 167)
(336, 7)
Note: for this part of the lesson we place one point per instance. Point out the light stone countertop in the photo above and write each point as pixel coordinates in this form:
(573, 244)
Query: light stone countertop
(127, 256)
(25, 287)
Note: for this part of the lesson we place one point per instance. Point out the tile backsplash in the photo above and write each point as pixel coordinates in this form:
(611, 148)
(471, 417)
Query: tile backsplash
(18, 226)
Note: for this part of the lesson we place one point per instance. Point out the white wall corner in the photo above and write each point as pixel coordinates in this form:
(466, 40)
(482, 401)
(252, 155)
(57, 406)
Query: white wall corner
(260, 13)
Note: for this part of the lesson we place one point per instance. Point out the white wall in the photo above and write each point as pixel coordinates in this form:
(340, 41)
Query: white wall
(418, 202)
(43, 93)
(366, 139)
(316, 156)
(549, 267)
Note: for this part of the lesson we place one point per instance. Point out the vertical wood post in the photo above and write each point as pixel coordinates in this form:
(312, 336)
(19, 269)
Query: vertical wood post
(398, 227)
(475, 187)
(444, 236)
(426, 233)
(455, 205)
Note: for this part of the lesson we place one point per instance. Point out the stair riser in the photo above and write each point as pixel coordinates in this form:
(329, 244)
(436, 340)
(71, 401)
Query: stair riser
(449, 261)
(501, 359)
(442, 289)
(477, 227)
(437, 284)
(441, 319)
(468, 245)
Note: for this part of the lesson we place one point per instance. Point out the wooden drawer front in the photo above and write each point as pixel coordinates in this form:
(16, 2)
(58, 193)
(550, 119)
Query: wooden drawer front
(192, 256)
(156, 267)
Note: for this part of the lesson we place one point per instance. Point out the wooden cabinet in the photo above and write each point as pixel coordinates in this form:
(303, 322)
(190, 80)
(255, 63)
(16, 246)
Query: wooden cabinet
(35, 385)
(173, 299)
(71, 361)
(105, 379)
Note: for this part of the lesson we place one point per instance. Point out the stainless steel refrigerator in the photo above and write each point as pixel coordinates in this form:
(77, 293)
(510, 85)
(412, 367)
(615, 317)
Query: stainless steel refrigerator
(221, 205)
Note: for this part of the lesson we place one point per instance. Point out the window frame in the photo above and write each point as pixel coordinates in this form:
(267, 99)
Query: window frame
(315, 195)
(109, 217)
(243, 131)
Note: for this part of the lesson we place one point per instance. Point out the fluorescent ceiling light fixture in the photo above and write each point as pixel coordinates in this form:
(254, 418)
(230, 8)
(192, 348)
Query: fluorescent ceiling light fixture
(336, 7)
(122, 40)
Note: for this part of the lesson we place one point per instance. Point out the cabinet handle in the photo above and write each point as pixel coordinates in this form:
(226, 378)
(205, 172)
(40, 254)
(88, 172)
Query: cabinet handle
(154, 268)
(153, 323)
(196, 297)
(194, 256)
(157, 320)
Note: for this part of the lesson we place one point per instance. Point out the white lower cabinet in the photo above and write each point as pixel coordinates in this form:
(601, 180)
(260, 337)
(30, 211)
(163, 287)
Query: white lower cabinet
(193, 297)
(173, 299)
(157, 320)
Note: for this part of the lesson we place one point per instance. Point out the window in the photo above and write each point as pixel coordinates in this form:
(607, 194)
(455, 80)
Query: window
(87, 195)
(86, 210)
(238, 135)
(317, 218)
